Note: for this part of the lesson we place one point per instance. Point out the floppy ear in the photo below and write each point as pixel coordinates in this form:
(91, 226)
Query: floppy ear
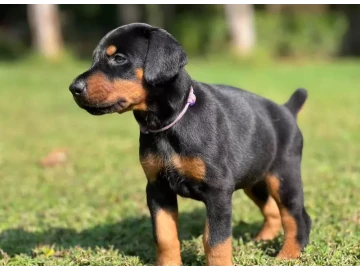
(164, 59)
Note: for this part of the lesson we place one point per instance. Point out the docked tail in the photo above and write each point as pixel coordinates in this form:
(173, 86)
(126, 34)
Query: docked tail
(296, 101)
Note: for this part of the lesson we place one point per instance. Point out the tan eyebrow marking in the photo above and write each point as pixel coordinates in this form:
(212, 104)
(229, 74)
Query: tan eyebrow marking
(110, 50)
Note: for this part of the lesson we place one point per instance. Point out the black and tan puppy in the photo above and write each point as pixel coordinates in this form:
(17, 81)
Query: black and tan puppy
(229, 139)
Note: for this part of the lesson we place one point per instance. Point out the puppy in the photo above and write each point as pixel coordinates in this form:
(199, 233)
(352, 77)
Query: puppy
(200, 141)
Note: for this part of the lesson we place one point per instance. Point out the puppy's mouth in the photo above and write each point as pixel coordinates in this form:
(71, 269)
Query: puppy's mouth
(100, 109)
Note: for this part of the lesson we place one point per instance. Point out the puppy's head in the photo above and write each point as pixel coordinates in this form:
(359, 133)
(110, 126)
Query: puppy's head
(127, 63)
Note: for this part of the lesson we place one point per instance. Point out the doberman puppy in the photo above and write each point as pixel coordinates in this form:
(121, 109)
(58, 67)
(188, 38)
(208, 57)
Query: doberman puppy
(200, 141)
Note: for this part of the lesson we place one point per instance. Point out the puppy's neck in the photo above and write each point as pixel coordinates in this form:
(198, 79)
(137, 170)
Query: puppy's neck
(165, 102)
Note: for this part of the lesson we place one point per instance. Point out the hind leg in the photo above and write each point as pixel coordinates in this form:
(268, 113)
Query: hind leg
(285, 187)
(268, 207)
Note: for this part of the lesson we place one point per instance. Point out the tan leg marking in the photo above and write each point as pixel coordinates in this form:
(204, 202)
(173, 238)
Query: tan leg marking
(190, 167)
(219, 255)
(168, 244)
(291, 248)
(272, 219)
(151, 165)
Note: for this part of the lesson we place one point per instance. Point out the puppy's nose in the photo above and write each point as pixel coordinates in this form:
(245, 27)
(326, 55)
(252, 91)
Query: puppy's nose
(78, 87)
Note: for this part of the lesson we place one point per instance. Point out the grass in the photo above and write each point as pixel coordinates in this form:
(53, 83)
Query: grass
(92, 209)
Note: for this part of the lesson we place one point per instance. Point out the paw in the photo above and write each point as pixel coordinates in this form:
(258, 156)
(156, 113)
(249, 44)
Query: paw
(265, 236)
(269, 231)
(169, 263)
(288, 255)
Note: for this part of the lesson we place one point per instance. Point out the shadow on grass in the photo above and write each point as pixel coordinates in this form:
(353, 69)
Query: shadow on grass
(131, 237)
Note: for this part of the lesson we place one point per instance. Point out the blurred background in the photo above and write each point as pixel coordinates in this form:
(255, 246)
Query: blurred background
(267, 30)
(72, 191)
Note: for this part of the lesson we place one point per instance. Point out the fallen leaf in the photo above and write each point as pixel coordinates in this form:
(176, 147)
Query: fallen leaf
(54, 158)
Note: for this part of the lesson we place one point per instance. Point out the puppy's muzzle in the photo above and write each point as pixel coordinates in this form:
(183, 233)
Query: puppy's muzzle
(78, 88)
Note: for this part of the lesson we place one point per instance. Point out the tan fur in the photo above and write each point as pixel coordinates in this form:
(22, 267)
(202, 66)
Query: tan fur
(168, 244)
(191, 167)
(139, 73)
(103, 91)
(111, 50)
(272, 218)
(291, 248)
(152, 165)
(273, 185)
(219, 255)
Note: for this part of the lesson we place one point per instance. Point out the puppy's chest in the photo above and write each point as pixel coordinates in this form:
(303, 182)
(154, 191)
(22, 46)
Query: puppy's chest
(183, 173)
(189, 167)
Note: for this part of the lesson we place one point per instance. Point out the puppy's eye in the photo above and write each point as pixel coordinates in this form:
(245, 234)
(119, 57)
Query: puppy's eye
(119, 59)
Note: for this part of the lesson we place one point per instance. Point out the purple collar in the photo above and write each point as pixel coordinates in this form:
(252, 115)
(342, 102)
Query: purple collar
(190, 102)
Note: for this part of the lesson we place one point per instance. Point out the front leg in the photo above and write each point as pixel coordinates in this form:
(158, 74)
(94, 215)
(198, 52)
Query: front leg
(217, 238)
(162, 203)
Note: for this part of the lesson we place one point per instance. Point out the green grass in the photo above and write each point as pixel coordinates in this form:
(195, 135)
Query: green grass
(92, 210)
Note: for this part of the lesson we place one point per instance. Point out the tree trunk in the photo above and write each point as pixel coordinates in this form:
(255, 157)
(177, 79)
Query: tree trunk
(240, 19)
(351, 39)
(170, 11)
(129, 13)
(45, 29)
(155, 15)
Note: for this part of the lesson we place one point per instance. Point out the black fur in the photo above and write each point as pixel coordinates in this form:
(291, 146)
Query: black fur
(296, 101)
(239, 135)
(161, 69)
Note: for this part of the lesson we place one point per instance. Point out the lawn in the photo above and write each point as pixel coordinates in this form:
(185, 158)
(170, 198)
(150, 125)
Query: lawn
(91, 210)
